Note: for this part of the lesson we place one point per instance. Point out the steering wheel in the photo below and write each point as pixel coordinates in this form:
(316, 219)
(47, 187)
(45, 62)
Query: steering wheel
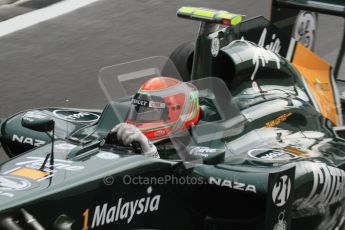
(112, 140)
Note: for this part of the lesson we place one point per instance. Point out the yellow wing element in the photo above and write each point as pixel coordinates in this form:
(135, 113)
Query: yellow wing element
(209, 15)
(317, 74)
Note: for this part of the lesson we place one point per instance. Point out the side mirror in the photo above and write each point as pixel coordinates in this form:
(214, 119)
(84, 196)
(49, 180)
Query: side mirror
(38, 121)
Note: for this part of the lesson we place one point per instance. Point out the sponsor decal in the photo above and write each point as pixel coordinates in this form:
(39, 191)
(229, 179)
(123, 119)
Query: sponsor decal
(215, 46)
(32, 174)
(265, 53)
(121, 210)
(63, 147)
(232, 184)
(34, 114)
(107, 156)
(282, 224)
(140, 102)
(35, 163)
(27, 140)
(150, 104)
(270, 154)
(201, 151)
(159, 133)
(328, 187)
(297, 151)
(76, 116)
(156, 105)
(281, 190)
(278, 120)
(305, 28)
(274, 44)
(9, 183)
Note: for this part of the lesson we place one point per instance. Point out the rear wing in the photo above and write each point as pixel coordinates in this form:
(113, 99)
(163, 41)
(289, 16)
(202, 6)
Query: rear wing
(317, 74)
(291, 16)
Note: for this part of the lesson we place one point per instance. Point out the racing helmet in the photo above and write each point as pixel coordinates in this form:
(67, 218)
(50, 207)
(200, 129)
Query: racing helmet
(164, 106)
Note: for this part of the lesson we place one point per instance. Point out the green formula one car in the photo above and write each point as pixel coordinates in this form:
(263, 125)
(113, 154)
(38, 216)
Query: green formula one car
(267, 152)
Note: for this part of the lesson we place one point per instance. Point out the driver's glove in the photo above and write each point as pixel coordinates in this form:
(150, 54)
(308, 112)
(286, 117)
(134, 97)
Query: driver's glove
(127, 134)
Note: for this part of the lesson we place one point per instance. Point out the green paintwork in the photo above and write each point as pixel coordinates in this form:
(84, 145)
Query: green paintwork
(237, 180)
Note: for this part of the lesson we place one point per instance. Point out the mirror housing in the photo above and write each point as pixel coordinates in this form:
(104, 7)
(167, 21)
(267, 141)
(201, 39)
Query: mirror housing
(38, 121)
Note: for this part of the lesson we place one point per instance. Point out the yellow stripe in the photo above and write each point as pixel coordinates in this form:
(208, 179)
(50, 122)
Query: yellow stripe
(186, 10)
(204, 13)
(236, 20)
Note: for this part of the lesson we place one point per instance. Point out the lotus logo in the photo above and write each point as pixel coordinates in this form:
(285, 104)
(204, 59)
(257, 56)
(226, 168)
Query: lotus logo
(76, 116)
(8, 183)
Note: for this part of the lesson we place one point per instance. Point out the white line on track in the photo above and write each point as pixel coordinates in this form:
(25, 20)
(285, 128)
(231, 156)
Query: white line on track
(32, 18)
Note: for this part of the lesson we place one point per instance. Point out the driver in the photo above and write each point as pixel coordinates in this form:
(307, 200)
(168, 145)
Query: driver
(163, 107)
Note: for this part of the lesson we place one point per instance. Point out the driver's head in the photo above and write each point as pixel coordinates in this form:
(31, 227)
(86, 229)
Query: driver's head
(164, 106)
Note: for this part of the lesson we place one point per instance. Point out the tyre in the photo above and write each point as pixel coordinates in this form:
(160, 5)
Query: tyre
(182, 57)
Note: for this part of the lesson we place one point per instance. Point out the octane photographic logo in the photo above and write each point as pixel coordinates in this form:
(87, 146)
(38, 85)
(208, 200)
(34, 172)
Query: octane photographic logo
(76, 116)
(121, 210)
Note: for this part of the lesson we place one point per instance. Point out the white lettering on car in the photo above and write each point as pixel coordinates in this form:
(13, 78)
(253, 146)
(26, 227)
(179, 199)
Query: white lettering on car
(232, 184)
(36, 163)
(263, 54)
(107, 213)
(274, 45)
(27, 140)
(76, 116)
(9, 183)
(328, 187)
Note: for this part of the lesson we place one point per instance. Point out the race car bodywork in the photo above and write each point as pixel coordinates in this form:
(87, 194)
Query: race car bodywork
(299, 18)
(267, 153)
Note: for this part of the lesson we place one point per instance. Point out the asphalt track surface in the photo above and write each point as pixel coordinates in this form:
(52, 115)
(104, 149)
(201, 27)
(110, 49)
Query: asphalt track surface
(56, 62)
